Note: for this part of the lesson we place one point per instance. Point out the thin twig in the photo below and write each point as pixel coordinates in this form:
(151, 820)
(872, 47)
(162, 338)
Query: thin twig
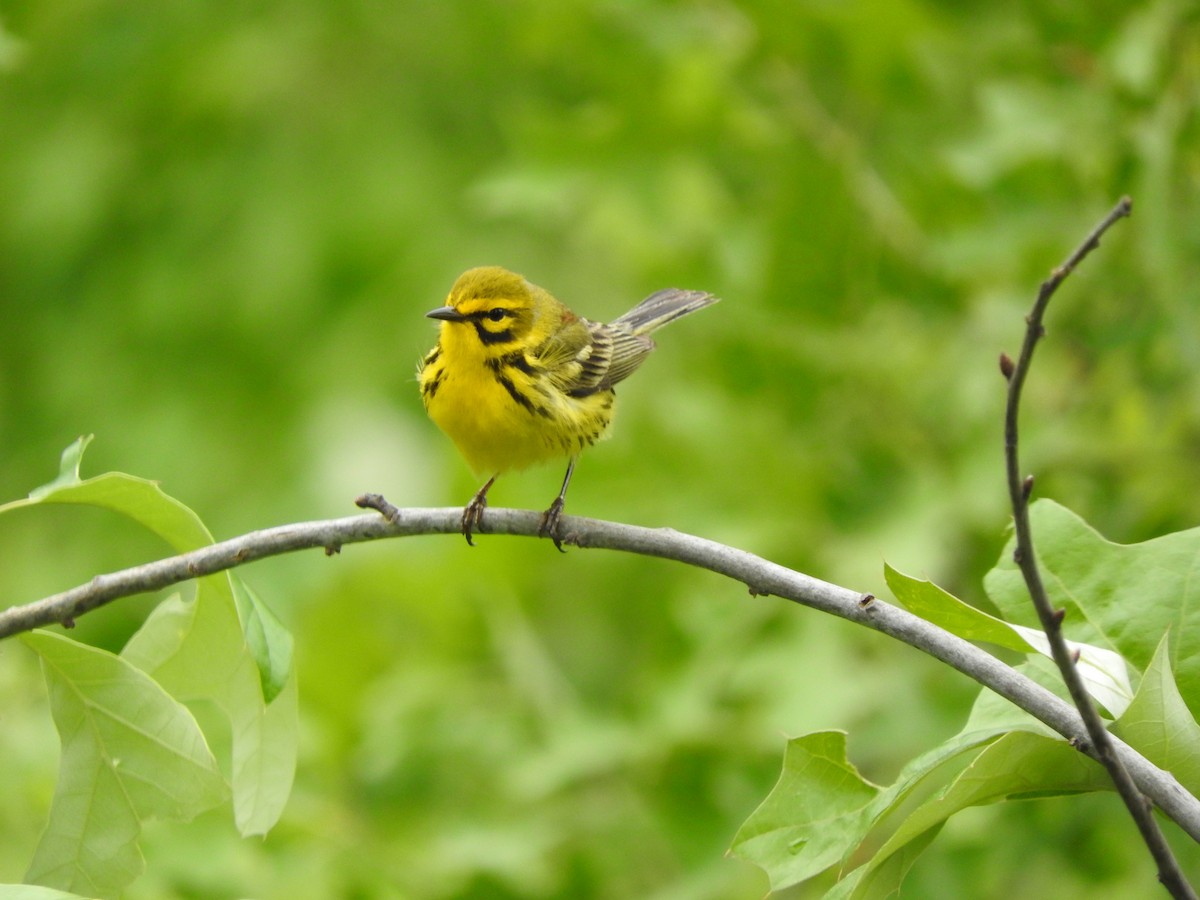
(1101, 742)
(760, 575)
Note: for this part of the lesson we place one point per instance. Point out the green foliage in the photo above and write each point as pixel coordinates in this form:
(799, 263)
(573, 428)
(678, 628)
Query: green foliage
(1159, 724)
(1103, 670)
(131, 750)
(1125, 598)
(824, 817)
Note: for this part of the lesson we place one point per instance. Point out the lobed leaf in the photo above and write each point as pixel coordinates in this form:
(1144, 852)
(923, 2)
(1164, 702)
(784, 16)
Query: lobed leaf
(812, 817)
(1121, 597)
(822, 814)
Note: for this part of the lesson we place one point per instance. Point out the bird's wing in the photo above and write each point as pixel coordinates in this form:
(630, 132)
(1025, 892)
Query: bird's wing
(624, 351)
(592, 356)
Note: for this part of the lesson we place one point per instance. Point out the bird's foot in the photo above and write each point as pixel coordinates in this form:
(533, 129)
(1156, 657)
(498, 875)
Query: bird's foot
(472, 517)
(550, 525)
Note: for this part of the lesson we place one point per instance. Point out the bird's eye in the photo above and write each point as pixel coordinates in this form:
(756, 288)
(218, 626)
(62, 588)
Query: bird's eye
(497, 314)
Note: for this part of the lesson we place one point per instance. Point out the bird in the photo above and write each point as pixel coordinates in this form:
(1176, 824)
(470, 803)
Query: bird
(516, 378)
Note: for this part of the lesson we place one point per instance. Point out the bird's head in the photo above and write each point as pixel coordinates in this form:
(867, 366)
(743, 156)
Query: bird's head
(498, 307)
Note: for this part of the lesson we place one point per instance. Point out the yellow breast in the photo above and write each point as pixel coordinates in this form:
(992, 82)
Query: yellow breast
(502, 418)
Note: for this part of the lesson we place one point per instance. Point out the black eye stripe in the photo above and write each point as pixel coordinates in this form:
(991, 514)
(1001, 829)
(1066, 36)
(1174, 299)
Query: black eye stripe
(495, 314)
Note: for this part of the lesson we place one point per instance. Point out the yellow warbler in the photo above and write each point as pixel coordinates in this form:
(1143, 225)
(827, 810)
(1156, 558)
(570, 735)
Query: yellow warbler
(516, 378)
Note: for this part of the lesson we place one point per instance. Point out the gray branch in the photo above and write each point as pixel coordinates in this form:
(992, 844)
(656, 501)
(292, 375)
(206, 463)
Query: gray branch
(760, 575)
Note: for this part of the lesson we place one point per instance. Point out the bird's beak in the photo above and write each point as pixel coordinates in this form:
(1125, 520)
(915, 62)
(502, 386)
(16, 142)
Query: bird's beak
(446, 314)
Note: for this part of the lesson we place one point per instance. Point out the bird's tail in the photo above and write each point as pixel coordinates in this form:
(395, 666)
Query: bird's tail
(662, 307)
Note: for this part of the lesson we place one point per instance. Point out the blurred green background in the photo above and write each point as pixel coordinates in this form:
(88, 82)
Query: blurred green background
(222, 223)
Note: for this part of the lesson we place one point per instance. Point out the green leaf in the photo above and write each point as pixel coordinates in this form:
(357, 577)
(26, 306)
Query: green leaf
(136, 498)
(195, 649)
(1018, 764)
(264, 761)
(1159, 725)
(1104, 672)
(129, 752)
(811, 818)
(1121, 597)
(1014, 766)
(821, 813)
(270, 643)
(992, 712)
(883, 880)
(68, 468)
(925, 599)
(200, 650)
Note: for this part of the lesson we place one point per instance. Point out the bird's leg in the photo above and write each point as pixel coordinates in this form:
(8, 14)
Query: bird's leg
(549, 526)
(472, 517)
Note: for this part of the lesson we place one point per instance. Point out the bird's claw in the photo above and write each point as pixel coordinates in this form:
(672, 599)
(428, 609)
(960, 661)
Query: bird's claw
(549, 527)
(472, 517)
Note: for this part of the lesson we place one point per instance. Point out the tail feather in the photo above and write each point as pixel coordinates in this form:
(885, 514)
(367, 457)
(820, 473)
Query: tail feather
(662, 307)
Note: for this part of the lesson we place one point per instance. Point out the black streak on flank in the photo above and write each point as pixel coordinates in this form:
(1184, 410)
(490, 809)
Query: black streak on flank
(520, 398)
(433, 384)
(517, 360)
